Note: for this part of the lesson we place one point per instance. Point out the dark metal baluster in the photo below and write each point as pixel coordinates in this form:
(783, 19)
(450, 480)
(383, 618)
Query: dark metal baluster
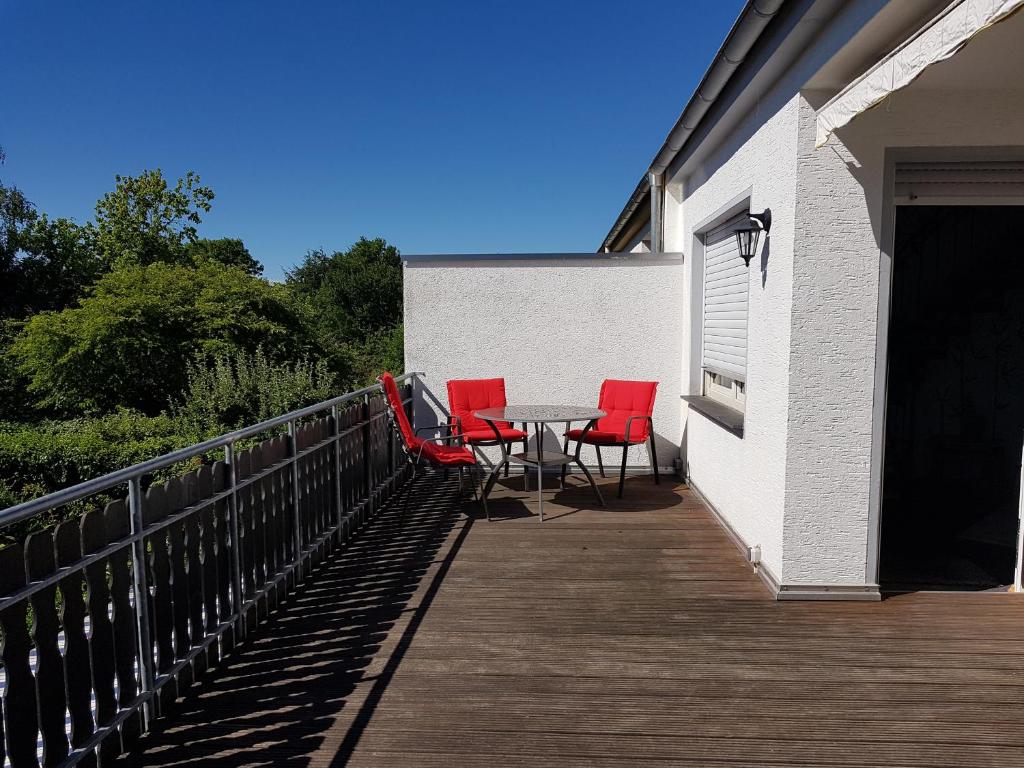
(179, 581)
(77, 677)
(197, 628)
(155, 509)
(20, 691)
(126, 644)
(228, 596)
(101, 631)
(50, 693)
(259, 530)
(294, 489)
(208, 555)
(143, 600)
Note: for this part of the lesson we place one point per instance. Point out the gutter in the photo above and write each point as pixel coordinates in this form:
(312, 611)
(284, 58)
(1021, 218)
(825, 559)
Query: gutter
(745, 32)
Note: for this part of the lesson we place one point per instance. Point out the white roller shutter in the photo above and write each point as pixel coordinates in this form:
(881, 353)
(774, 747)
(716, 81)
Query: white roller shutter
(998, 178)
(725, 302)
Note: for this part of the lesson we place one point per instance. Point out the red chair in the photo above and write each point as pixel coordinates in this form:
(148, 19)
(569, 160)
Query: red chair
(629, 405)
(465, 397)
(430, 451)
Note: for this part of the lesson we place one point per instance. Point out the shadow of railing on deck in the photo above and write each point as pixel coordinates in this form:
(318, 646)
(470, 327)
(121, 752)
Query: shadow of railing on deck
(295, 691)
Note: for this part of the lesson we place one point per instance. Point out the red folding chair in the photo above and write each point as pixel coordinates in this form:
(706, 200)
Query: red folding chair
(430, 451)
(465, 398)
(629, 405)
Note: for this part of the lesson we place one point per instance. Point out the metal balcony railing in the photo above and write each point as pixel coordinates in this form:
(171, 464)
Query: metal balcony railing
(95, 647)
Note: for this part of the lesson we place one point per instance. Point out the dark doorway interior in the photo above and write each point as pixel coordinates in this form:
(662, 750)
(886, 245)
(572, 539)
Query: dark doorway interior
(955, 408)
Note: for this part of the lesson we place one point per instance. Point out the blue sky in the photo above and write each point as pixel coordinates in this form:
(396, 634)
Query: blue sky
(441, 126)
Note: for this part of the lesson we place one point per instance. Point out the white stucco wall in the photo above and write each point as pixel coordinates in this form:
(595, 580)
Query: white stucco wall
(744, 477)
(554, 329)
(800, 481)
(829, 523)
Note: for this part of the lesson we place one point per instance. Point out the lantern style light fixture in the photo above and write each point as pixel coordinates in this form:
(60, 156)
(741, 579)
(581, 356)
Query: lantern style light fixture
(747, 237)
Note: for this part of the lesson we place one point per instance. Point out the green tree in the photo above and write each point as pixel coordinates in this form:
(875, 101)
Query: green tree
(359, 290)
(16, 215)
(129, 342)
(225, 250)
(44, 263)
(145, 220)
(356, 299)
(58, 262)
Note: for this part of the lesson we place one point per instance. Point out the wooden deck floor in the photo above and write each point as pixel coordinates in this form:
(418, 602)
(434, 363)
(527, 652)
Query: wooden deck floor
(632, 635)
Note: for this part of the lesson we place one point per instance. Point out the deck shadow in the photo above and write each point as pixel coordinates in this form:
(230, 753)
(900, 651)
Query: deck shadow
(307, 676)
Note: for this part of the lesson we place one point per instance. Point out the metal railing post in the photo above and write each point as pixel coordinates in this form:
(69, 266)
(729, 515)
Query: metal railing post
(293, 453)
(236, 545)
(339, 513)
(1018, 570)
(140, 584)
(367, 457)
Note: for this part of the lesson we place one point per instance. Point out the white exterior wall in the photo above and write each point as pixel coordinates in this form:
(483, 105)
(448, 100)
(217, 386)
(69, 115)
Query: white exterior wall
(841, 215)
(554, 329)
(744, 477)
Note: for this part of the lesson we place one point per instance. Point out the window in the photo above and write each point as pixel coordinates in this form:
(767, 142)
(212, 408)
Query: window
(724, 390)
(724, 341)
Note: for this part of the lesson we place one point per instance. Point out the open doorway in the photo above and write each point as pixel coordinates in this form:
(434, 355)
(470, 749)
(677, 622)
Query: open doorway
(955, 402)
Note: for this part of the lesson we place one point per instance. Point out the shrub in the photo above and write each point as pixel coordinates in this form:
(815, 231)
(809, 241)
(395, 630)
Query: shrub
(36, 459)
(229, 391)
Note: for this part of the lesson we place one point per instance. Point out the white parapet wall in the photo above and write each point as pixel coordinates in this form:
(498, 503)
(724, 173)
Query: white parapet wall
(554, 327)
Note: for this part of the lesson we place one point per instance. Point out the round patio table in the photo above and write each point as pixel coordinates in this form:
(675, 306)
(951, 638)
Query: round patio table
(539, 415)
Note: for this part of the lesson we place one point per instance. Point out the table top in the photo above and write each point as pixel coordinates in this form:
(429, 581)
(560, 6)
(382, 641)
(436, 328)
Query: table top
(540, 414)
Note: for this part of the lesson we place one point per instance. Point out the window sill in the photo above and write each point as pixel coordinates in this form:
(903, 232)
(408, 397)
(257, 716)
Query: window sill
(718, 412)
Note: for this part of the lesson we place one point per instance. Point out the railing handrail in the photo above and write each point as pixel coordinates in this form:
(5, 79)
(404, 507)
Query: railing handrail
(86, 488)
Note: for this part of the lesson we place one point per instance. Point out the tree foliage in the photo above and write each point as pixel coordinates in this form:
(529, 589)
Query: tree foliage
(129, 342)
(230, 390)
(128, 336)
(357, 296)
(360, 290)
(144, 220)
(229, 251)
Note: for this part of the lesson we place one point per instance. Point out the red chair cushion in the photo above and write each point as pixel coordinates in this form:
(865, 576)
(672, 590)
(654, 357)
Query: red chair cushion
(466, 396)
(598, 437)
(621, 400)
(448, 455)
(387, 383)
(486, 435)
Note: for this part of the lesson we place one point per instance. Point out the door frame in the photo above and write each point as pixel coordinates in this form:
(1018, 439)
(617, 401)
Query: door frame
(893, 157)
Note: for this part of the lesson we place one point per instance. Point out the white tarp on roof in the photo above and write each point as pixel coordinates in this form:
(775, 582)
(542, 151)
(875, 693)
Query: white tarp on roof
(937, 41)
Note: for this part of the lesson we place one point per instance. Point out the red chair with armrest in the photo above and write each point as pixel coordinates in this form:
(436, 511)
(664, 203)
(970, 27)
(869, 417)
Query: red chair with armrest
(436, 452)
(465, 398)
(629, 405)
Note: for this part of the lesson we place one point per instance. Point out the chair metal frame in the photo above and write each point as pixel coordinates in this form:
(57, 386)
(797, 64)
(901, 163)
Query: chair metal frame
(416, 461)
(652, 451)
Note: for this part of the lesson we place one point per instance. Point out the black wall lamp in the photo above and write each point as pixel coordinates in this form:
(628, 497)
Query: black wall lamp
(747, 237)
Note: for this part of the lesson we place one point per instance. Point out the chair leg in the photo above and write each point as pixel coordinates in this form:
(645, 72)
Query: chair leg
(565, 449)
(479, 475)
(526, 449)
(622, 471)
(654, 459)
(508, 449)
(600, 464)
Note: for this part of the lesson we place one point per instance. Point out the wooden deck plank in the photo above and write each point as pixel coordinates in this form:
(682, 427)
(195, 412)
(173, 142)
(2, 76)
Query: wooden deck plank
(628, 635)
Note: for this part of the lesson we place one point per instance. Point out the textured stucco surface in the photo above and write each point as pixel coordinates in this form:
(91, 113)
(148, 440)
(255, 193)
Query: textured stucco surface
(554, 329)
(839, 219)
(744, 477)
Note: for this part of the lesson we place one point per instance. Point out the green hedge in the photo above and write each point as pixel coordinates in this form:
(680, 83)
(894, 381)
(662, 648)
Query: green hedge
(36, 459)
